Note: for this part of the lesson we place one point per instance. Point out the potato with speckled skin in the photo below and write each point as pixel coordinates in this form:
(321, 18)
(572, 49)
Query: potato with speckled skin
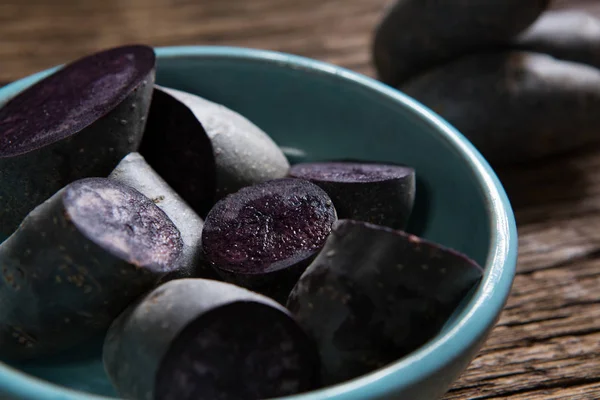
(263, 236)
(76, 123)
(76, 262)
(249, 347)
(416, 35)
(243, 153)
(134, 171)
(178, 148)
(380, 193)
(374, 294)
(515, 106)
(571, 35)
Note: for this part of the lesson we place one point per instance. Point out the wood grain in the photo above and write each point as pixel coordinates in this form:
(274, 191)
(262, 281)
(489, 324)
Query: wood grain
(547, 342)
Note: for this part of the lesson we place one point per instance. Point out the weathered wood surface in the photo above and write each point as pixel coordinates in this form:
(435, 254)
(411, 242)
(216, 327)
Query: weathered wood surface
(547, 342)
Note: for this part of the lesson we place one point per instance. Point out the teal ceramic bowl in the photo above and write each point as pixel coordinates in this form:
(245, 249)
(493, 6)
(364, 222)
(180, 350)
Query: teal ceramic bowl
(318, 111)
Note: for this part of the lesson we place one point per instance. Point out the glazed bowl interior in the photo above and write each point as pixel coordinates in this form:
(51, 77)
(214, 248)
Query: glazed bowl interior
(317, 111)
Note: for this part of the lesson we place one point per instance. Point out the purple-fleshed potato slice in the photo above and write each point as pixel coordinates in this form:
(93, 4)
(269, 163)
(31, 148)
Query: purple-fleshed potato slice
(379, 193)
(202, 339)
(263, 236)
(78, 122)
(373, 295)
(177, 147)
(76, 262)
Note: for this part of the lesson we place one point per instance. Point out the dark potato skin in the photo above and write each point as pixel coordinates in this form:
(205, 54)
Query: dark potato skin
(379, 193)
(141, 343)
(243, 153)
(416, 35)
(76, 123)
(570, 35)
(515, 106)
(135, 172)
(75, 263)
(177, 147)
(264, 236)
(374, 294)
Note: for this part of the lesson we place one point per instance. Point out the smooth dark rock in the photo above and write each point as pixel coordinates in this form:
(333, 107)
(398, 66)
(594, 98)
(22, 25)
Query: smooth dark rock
(416, 35)
(571, 35)
(515, 106)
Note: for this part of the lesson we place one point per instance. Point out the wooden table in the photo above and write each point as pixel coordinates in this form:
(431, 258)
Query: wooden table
(547, 342)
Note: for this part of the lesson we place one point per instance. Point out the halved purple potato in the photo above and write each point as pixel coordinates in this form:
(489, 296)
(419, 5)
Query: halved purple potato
(264, 236)
(76, 123)
(134, 171)
(177, 147)
(201, 339)
(378, 193)
(244, 154)
(571, 35)
(374, 294)
(76, 262)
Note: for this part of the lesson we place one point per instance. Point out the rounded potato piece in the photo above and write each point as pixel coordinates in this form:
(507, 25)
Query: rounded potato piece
(134, 171)
(374, 294)
(232, 333)
(515, 106)
(379, 193)
(76, 262)
(244, 154)
(416, 35)
(76, 123)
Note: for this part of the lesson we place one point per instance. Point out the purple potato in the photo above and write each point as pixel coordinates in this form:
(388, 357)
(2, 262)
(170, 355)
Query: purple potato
(515, 106)
(379, 193)
(374, 294)
(201, 339)
(415, 35)
(135, 172)
(571, 35)
(243, 153)
(177, 147)
(78, 122)
(264, 236)
(76, 262)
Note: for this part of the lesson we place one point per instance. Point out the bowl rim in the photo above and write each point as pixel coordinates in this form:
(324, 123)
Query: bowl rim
(475, 321)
